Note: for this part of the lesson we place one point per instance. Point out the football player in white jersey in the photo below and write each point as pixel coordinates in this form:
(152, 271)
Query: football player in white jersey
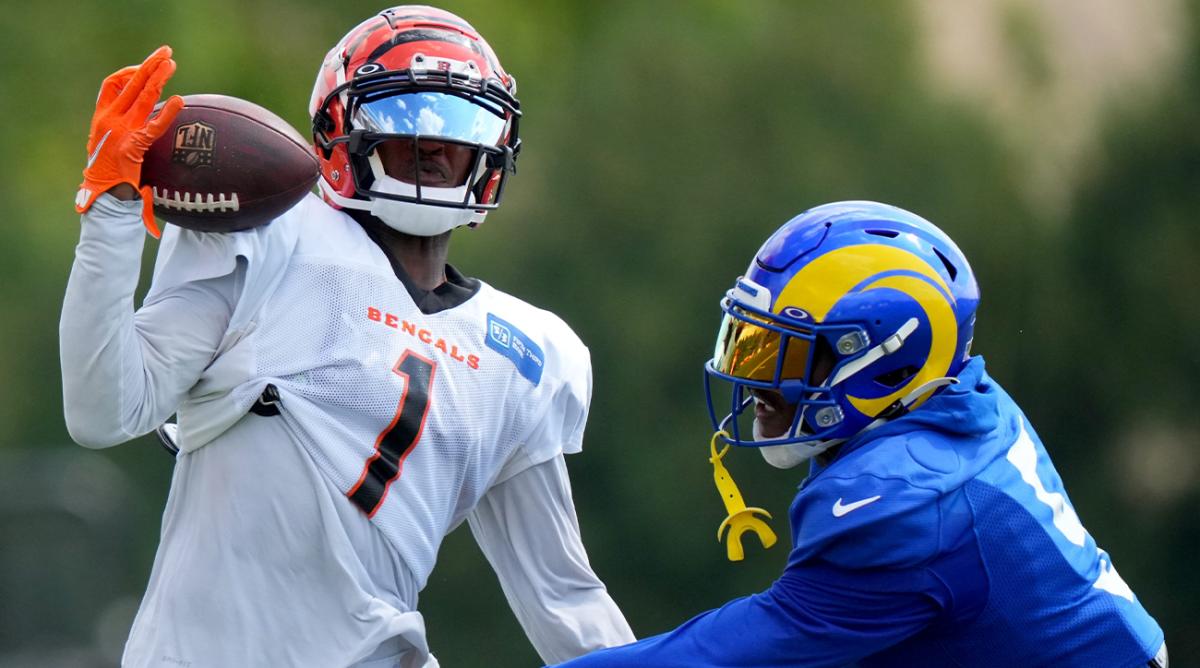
(344, 397)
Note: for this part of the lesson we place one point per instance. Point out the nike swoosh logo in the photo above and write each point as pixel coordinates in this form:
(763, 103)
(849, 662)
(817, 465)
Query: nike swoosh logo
(92, 157)
(840, 509)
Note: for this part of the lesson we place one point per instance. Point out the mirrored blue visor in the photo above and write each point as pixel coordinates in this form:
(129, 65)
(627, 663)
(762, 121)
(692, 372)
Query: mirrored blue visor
(430, 115)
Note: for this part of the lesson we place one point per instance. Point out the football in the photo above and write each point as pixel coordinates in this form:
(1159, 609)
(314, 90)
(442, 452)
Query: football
(226, 164)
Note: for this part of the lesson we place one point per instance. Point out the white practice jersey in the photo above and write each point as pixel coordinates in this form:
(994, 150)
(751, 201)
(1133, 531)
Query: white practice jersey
(413, 416)
(302, 538)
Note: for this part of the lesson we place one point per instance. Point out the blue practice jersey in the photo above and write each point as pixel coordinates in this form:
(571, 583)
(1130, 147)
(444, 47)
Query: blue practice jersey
(942, 538)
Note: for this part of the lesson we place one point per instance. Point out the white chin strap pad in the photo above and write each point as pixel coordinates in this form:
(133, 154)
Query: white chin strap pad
(787, 456)
(790, 455)
(420, 220)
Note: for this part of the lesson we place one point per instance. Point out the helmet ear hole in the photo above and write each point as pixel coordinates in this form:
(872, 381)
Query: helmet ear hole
(896, 377)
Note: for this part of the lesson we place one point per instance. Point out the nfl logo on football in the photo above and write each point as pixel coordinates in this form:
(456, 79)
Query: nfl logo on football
(194, 144)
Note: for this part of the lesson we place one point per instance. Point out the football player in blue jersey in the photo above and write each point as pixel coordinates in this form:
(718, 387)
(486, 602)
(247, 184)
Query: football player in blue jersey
(933, 529)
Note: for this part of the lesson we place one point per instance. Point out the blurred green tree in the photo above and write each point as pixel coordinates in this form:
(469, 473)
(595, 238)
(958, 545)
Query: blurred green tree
(663, 143)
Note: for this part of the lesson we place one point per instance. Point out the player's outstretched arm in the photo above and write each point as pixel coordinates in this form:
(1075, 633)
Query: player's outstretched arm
(125, 374)
(810, 618)
(527, 529)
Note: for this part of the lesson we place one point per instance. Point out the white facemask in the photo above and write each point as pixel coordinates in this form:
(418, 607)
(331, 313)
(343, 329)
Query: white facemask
(420, 219)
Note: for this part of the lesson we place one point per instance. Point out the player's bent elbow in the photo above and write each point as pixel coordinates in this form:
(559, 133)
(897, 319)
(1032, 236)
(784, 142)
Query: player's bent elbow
(88, 434)
(93, 441)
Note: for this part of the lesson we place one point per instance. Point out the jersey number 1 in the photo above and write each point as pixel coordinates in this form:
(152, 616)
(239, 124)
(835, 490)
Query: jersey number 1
(398, 439)
(1024, 456)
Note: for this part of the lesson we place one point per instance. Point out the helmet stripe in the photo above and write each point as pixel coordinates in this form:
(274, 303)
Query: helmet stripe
(422, 35)
(817, 287)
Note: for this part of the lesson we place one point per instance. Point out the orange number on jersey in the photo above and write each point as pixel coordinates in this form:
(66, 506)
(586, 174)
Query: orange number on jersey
(398, 439)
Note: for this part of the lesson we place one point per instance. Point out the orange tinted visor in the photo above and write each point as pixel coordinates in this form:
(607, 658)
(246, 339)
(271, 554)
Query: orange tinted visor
(748, 349)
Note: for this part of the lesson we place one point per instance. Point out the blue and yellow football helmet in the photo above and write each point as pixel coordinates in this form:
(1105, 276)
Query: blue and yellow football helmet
(856, 312)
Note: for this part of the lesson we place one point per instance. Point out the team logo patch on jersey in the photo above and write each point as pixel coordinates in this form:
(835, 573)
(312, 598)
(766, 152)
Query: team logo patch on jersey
(513, 344)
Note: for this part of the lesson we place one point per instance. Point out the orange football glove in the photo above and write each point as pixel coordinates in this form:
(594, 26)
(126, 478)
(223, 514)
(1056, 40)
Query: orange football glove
(122, 130)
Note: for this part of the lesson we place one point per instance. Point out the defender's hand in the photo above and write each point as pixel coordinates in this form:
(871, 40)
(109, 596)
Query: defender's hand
(122, 130)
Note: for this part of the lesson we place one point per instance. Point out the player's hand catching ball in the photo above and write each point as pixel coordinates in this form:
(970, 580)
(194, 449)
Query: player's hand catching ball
(122, 130)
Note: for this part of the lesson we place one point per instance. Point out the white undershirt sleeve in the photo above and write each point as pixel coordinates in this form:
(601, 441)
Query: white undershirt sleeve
(125, 373)
(527, 529)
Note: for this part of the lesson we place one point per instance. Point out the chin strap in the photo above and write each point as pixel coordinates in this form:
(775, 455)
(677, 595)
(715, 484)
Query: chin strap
(340, 200)
(740, 518)
(902, 405)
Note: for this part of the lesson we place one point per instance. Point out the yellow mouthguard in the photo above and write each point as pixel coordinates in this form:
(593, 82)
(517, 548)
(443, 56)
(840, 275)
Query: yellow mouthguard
(740, 519)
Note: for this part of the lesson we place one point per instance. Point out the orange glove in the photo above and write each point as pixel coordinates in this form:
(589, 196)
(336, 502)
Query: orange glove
(122, 130)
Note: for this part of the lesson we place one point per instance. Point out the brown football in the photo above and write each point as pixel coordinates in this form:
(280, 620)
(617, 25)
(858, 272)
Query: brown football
(226, 164)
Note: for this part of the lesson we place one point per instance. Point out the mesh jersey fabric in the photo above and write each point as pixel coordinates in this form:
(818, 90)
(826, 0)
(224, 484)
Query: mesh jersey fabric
(270, 570)
(246, 526)
(328, 324)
